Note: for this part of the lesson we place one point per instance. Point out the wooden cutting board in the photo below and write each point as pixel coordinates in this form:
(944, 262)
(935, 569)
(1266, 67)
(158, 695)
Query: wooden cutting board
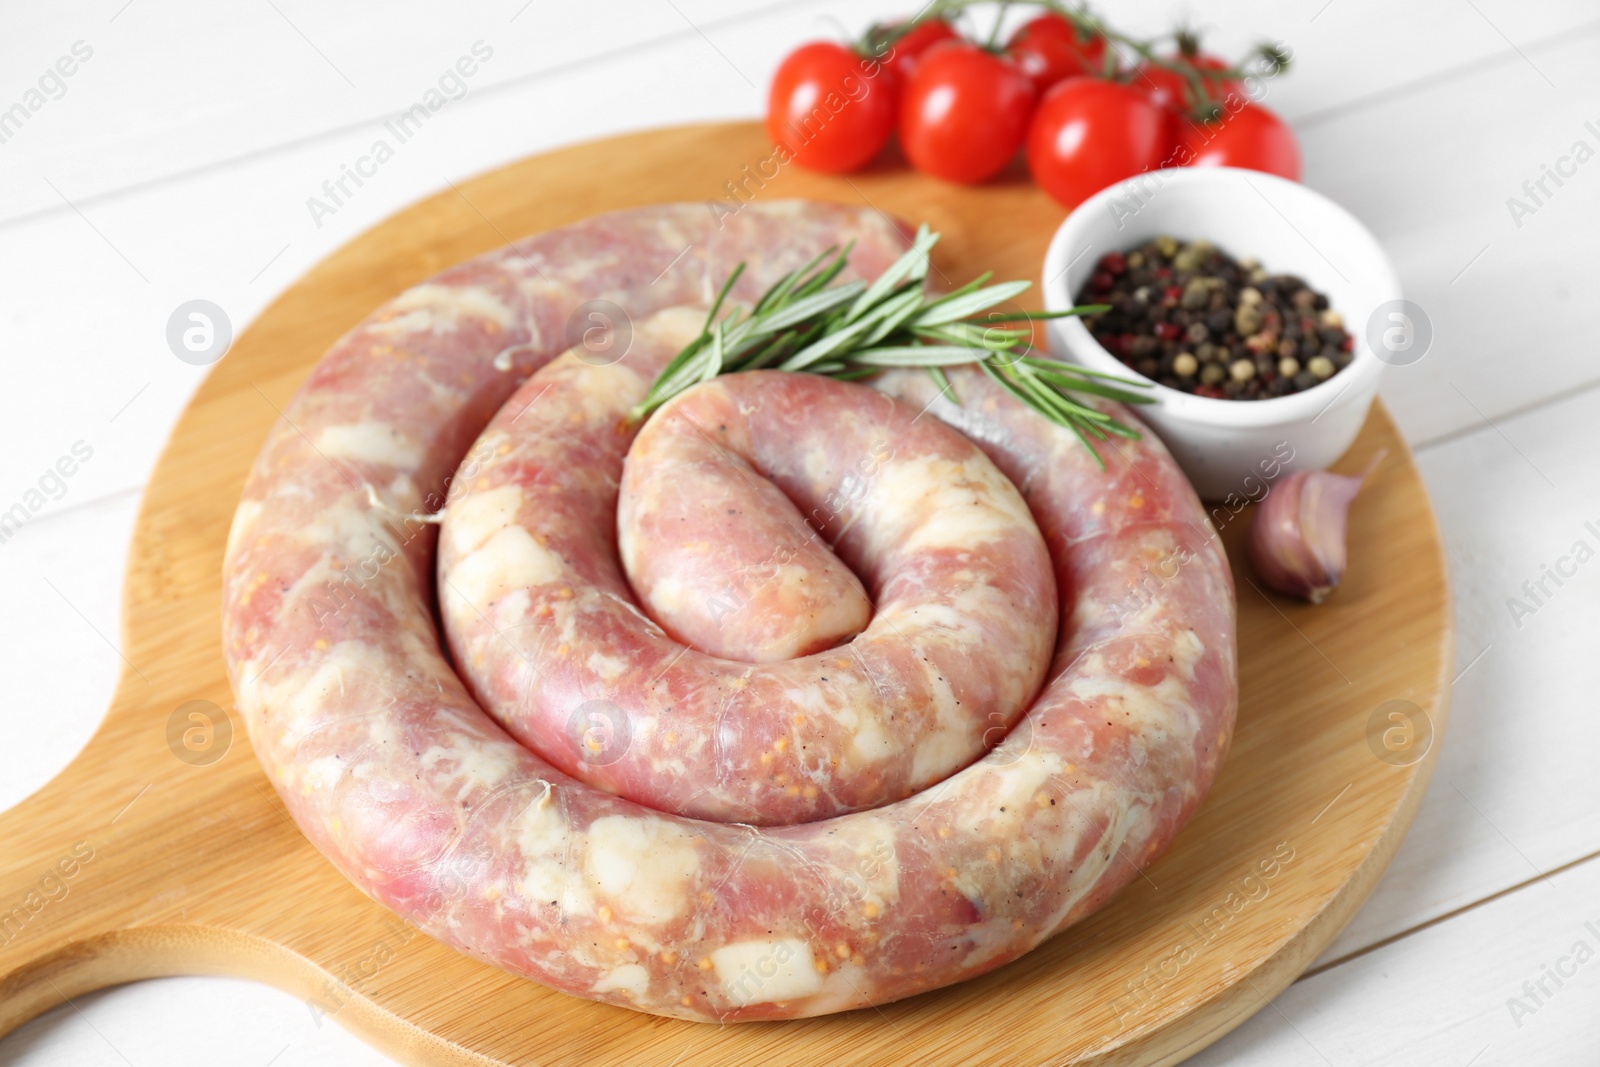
(162, 849)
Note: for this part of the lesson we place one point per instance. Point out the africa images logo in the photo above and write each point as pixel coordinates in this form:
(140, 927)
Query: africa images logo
(451, 86)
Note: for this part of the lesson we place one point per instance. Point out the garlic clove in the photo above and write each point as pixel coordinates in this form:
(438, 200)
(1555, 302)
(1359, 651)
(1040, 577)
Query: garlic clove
(1297, 539)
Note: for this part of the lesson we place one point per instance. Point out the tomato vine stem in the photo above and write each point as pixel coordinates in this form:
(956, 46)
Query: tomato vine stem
(1204, 83)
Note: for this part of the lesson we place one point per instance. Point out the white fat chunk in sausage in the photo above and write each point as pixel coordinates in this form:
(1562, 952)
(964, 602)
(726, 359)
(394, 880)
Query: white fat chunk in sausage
(761, 972)
(299, 697)
(403, 492)
(630, 978)
(1187, 648)
(941, 751)
(551, 881)
(598, 387)
(370, 442)
(790, 589)
(1145, 709)
(607, 668)
(447, 304)
(408, 324)
(950, 746)
(870, 744)
(1000, 806)
(678, 325)
(542, 834)
(474, 766)
(1128, 819)
(361, 538)
(243, 519)
(960, 617)
(672, 595)
(873, 875)
(322, 774)
(511, 559)
(476, 518)
(988, 940)
(954, 505)
(642, 865)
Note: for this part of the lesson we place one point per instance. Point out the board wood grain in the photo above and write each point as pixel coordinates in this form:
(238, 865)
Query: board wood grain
(146, 857)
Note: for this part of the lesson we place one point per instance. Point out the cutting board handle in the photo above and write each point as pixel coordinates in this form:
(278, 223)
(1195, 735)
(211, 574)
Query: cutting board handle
(92, 866)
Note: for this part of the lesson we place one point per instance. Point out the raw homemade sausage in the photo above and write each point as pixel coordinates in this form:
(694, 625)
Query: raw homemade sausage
(550, 640)
(418, 797)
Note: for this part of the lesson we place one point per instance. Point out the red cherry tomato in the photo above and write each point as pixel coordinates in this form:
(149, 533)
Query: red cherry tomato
(964, 112)
(1251, 137)
(1088, 133)
(827, 109)
(1049, 50)
(902, 56)
(1169, 88)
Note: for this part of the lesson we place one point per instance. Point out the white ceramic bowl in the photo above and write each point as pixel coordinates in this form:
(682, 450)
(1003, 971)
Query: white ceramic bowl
(1234, 446)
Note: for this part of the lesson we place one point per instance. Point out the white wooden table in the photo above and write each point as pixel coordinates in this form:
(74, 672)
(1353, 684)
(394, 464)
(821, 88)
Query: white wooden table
(175, 162)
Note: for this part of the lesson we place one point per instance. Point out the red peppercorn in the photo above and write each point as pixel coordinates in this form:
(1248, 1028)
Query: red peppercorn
(1161, 317)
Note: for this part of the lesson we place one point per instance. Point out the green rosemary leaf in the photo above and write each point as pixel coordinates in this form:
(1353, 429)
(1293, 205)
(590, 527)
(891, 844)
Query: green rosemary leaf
(1051, 414)
(714, 354)
(919, 356)
(777, 294)
(912, 264)
(892, 314)
(950, 309)
(993, 338)
(856, 373)
(665, 385)
(1005, 383)
(804, 322)
(971, 287)
(1056, 366)
(1121, 396)
(785, 285)
(828, 273)
(825, 346)
(740, 337)
(722, 294)
(1121, 431)
(675, 366)
(811, 306)
(687, 377)
(1040, 316)
(774, 349)
(1042, 395)
(1072, 376)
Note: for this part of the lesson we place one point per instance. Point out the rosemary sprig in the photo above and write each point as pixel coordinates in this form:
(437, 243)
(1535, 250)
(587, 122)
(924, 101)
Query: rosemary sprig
(853, 330)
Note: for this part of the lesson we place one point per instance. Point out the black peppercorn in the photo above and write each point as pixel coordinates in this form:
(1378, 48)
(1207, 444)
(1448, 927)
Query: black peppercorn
(1190, 316)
